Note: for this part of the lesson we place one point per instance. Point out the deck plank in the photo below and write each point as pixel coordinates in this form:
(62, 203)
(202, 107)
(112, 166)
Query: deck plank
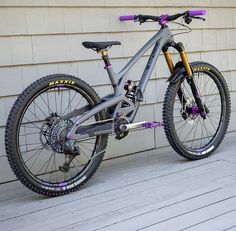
(153, 190)
(208, 211)
(140, 217)
(219, 223)
(161, 184)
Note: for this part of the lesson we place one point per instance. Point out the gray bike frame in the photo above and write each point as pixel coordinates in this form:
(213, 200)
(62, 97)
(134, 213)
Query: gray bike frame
(160, 39)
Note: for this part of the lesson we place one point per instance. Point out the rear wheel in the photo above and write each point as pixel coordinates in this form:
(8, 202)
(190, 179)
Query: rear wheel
(36, 144)
(188, 133)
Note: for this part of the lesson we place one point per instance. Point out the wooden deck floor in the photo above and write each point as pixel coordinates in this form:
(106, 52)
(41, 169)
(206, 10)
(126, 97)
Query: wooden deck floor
(154, 190)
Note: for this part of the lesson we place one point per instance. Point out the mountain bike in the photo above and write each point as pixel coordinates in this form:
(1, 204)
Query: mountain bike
(57, 130)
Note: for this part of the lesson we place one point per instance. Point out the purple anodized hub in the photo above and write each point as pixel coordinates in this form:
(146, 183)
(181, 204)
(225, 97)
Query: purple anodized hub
(195, 110)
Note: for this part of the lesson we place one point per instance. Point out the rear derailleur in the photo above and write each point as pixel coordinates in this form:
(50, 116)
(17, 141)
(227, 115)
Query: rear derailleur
(66, 166)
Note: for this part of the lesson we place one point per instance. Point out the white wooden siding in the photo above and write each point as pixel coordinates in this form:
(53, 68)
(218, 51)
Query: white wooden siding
(44, 37)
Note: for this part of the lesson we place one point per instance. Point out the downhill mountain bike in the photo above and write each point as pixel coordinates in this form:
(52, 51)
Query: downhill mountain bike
(58, 128)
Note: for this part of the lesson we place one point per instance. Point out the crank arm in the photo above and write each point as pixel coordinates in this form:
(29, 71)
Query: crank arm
(143, 124)
(91, 130)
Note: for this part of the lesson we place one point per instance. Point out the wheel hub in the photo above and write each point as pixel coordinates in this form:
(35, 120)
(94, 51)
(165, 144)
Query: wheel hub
(191, 111)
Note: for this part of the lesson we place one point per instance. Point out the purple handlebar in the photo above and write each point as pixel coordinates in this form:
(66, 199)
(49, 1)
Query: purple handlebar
(164, 18)
(197, 12)
(127, 17)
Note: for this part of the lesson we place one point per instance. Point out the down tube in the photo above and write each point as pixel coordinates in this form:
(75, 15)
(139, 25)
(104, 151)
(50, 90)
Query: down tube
(150, 65)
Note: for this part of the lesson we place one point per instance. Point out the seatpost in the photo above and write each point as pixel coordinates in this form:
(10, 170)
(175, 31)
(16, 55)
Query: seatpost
(104, 54)
(109, 68)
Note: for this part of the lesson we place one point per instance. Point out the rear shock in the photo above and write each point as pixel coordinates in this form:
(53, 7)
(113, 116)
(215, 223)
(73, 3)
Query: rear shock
(130, 88)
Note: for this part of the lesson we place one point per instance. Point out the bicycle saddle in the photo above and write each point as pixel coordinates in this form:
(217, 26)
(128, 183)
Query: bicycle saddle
(100, 45)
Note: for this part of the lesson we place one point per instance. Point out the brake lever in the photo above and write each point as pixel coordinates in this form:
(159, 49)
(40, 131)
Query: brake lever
(200, 18)
(188, 19)
(141, 20)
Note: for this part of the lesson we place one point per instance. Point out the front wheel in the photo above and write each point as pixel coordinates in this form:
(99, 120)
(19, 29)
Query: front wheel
(190, 135)
(38, 150)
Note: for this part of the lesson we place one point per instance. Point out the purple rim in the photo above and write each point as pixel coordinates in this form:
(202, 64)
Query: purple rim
(195, 110)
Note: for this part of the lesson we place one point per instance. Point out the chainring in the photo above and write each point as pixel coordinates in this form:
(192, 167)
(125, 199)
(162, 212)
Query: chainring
(117, 124)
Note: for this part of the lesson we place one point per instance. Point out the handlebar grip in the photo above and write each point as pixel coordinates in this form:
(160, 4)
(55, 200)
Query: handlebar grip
(127, 17)
(197, 12)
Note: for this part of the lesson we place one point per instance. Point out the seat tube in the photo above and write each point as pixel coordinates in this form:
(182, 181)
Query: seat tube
(112, 76)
